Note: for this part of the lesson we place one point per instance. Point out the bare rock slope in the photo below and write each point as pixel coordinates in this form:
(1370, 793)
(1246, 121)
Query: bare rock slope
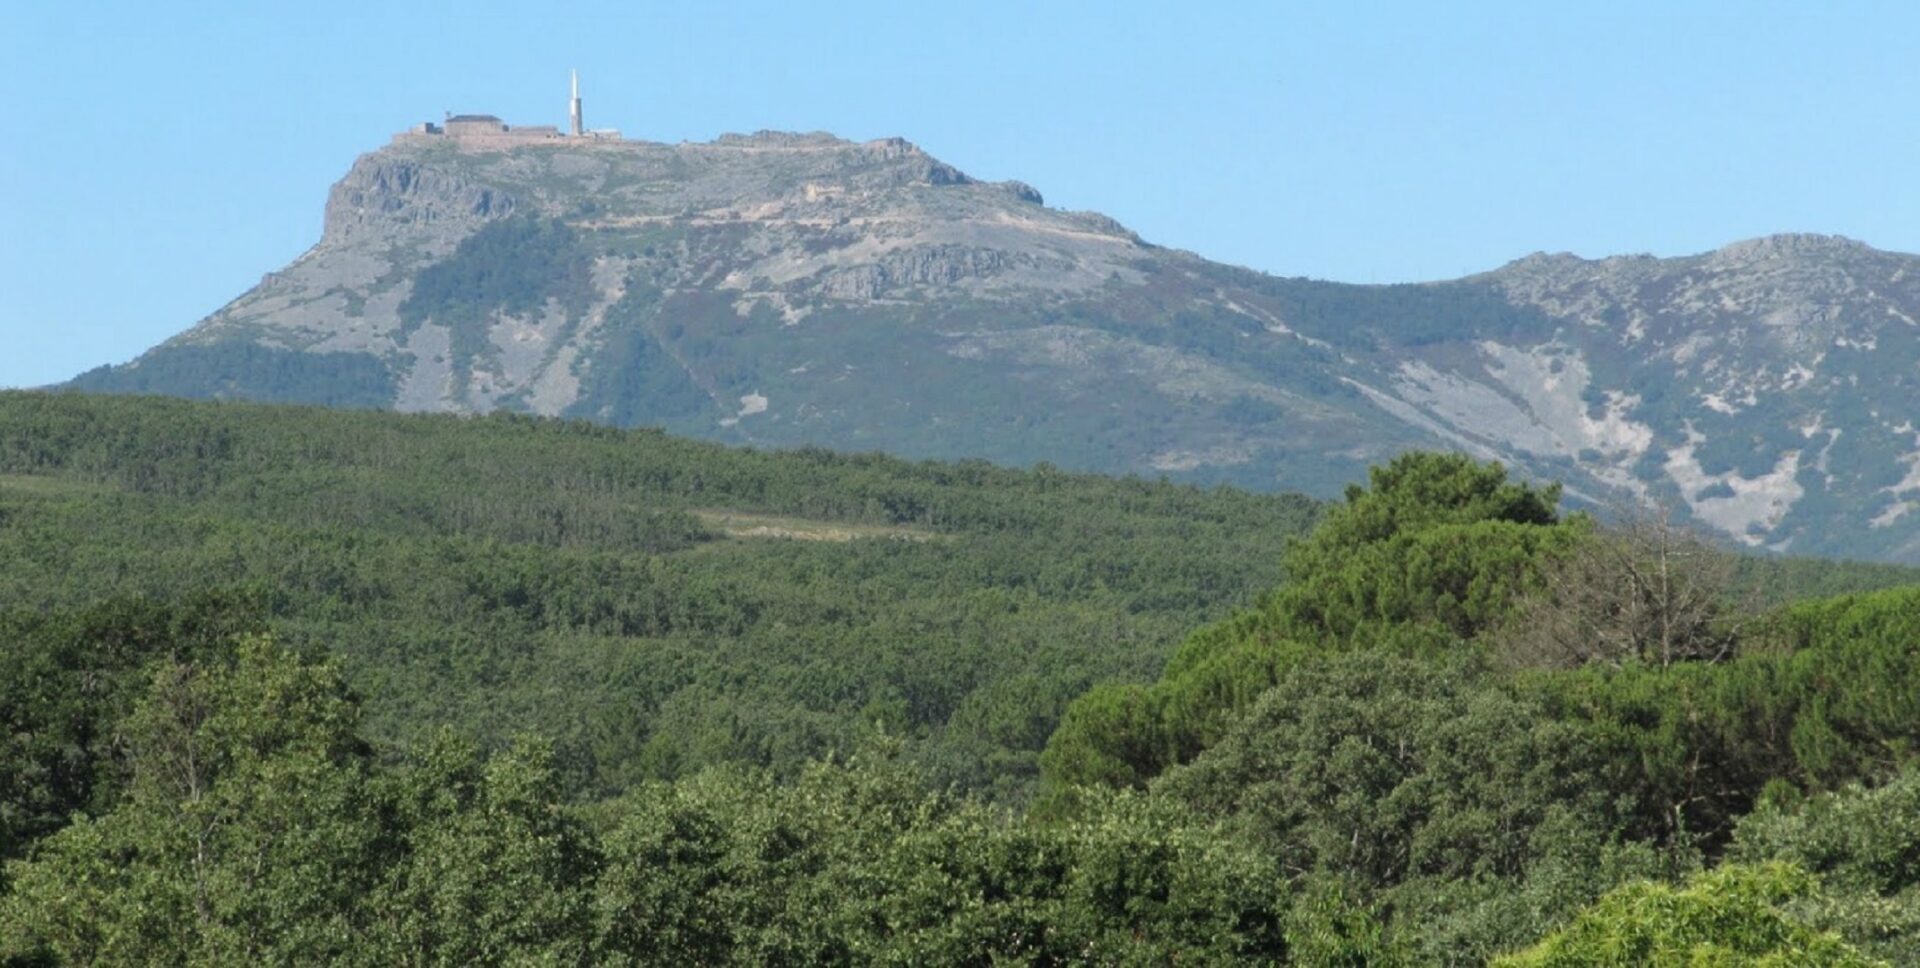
(785, 289)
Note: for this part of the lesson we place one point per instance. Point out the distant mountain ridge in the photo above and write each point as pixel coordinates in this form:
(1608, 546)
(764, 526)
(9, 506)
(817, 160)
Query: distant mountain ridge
(785, 289)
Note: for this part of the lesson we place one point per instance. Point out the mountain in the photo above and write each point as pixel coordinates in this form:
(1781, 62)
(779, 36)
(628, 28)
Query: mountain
(783, 289)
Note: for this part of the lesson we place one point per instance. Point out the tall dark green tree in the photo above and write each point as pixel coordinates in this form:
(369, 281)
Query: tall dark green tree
(1438, 550)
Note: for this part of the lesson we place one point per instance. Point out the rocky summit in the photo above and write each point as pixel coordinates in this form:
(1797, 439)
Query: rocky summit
(782, 289)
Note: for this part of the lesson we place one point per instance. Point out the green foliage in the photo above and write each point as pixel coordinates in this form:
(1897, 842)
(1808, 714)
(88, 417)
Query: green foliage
(1349, 727)
(1378, 769)
(635, 379)
(489, 867)
(1572, 861)
(260, 829)
(1384, 317)
(1832, 698)
(1339, 774)
(857, 865)
(1438, 550)
(68, 678)
(241, 370)
(1731, 916)
(245, 834)
(507, 574)
(1864, 845)
(1772, 581)
(1857, 838)
(1441, 583)
(1425, 490)
(1327, 928)
(512, 266)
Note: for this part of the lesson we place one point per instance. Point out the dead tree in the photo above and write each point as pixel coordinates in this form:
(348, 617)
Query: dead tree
(1644, 589)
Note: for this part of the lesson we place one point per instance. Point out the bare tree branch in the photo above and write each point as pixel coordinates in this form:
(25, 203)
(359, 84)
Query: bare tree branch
(1643, 590)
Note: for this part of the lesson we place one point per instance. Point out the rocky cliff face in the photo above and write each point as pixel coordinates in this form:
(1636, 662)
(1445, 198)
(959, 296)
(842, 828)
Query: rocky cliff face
(783, 289)
(384, 197)
(1767, 387)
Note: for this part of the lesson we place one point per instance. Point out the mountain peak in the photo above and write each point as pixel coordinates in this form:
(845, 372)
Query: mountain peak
(1547, 267)
(783, 289)
(1790, 246)
(1545, 260)
(433, 192)
(1784, 246)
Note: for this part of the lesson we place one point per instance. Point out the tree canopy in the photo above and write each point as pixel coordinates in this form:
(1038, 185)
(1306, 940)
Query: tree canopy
(280, 686)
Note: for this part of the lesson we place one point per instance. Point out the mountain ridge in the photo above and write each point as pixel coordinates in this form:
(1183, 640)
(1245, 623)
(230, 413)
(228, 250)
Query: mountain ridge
(783, 289)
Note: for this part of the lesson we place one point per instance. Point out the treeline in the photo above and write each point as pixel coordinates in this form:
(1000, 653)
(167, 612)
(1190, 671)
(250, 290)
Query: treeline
(243, 370)
(243, 817)
(1467, 727)
(255, 824)
(504, 574)
(1468, 716)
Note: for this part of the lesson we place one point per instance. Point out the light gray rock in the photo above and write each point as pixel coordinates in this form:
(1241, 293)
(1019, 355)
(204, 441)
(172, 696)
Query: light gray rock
(867, 295)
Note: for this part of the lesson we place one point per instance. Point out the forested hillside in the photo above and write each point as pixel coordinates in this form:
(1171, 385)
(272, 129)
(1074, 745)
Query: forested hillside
(1467, 718)
(282, 685)
(650, 604)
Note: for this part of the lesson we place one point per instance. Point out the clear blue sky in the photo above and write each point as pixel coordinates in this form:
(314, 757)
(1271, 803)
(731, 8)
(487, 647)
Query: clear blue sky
(157, 158)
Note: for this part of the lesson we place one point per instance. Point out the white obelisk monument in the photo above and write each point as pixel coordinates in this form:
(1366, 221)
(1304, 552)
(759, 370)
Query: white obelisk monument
(573, 110)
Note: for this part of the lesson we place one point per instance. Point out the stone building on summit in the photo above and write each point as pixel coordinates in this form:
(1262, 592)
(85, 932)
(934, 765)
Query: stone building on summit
(488, 130)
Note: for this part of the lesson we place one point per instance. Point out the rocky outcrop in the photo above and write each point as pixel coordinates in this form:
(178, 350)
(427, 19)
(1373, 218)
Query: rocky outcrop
(930, 267)
(1024, 192)
(787, 289)
(382, 197)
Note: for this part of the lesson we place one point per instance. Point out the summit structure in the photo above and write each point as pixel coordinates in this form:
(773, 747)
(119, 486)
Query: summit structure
(488, 131)
(573, 109)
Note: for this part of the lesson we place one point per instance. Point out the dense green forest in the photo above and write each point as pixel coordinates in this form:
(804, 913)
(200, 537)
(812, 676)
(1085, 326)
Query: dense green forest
(629, 595)
(283, 685)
